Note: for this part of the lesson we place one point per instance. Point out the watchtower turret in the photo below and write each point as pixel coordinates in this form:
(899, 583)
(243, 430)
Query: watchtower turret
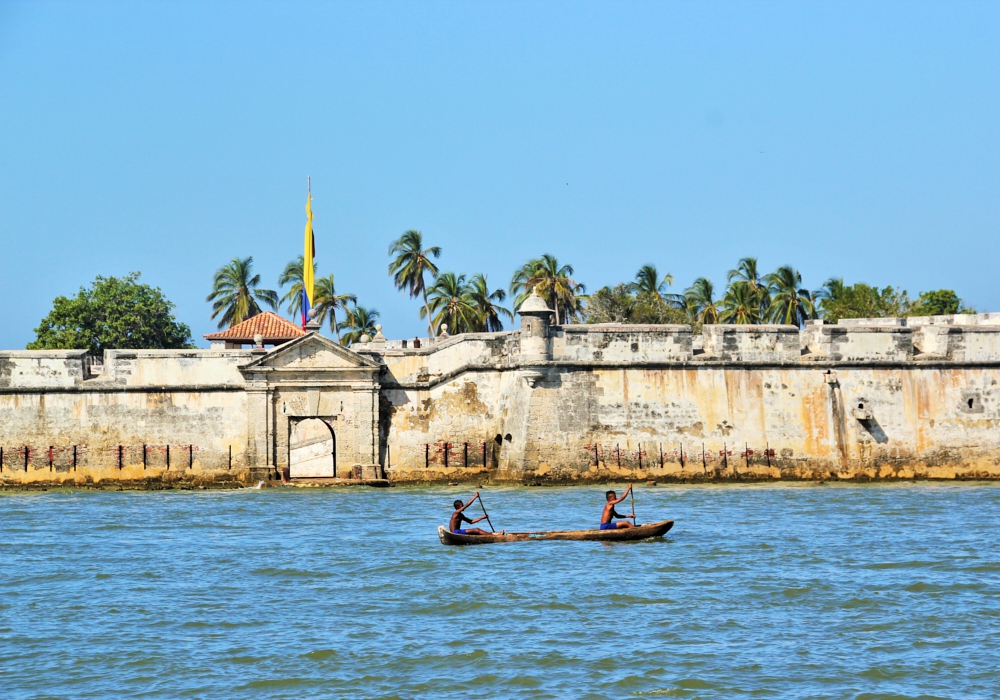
(535, 320)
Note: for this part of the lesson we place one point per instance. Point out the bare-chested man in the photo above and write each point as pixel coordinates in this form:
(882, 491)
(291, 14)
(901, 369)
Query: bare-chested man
(458, 517)
(607, 522)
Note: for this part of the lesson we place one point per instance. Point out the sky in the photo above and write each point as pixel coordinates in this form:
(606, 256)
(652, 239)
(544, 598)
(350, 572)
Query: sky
(854, 140)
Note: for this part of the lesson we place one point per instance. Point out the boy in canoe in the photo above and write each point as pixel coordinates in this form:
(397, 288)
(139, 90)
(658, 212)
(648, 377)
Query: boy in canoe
(458, 517)
(607, 517)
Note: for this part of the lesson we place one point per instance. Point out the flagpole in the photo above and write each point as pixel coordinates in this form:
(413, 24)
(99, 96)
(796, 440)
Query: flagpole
(309, 186)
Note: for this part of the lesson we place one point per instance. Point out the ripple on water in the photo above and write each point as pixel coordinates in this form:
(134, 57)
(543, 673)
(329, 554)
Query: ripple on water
(776, 591)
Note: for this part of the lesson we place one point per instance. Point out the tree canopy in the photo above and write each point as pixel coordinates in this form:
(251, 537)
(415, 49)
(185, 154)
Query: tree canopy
(113, 313)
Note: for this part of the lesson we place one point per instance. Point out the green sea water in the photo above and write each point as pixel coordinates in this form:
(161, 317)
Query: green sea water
(804, 591)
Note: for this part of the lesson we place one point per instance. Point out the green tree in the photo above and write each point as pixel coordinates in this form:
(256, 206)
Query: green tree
(830, 293)
(619, 304)
(790, 303)
(553, 283)
(411, 263)
(235, 294)
(741, 304)
(863, 301)
(113, 313)
(486, 302)
(327, 301)
(450, 300)
(939, 303)
(292, 274)
(360, 321)
(612, 305)
(700, 302)
(747, 272)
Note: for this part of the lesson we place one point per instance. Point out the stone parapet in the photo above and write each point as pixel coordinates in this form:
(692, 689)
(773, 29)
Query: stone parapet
(751, 343)
(610, 342)
(888, 343)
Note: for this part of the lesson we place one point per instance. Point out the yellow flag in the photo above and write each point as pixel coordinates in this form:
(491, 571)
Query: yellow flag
(308, 273)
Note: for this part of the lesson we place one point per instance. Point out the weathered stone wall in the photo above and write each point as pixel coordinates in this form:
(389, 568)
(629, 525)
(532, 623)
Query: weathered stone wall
(599, 402)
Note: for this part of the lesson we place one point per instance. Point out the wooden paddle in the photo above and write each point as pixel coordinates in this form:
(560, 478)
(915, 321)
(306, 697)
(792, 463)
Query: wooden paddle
(486, 514)
(631, 493)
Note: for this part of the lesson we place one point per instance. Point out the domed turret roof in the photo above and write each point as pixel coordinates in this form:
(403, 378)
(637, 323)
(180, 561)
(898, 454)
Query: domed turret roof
(534, 304)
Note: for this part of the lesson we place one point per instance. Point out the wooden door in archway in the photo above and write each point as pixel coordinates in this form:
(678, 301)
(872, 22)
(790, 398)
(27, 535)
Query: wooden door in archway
(312, 449)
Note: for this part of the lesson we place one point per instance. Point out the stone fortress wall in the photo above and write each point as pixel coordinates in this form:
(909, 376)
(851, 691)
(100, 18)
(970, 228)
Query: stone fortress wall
(863, 399)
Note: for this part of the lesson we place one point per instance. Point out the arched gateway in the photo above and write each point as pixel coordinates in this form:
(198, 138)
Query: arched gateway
(312, 449)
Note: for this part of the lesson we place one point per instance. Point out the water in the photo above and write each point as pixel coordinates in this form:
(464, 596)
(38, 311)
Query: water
(762, 591)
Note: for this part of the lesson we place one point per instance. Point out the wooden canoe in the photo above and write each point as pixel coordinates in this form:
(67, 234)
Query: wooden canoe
(624, 534)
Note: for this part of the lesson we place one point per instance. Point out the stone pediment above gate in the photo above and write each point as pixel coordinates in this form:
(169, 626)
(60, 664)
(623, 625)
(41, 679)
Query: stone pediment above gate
(310, 354)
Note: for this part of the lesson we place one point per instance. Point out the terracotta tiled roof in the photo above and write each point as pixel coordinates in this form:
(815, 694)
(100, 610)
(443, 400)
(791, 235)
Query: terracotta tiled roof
(268, 324)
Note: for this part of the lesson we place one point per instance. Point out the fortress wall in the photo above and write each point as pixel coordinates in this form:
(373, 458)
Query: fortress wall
(200, 427)
(612, 402)
(865, 422)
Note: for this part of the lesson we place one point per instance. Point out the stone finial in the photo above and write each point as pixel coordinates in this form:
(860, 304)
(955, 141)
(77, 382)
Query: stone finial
(312, 325)
(365, 338)
(444, 330)
(258, 341)
(379, 338)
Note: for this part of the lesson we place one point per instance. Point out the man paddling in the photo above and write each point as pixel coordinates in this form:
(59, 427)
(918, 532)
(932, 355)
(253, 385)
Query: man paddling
(607, 517)
(458, 517)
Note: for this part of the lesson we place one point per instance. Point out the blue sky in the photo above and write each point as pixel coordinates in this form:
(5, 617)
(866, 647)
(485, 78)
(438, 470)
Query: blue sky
(847, 139)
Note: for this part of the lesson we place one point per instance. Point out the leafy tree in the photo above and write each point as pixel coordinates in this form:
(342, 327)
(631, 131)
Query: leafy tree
(113, 313)
(360, 321)
(790, 303)
(863, 301)
(619, 304)
(451, 302)
(553, 283)
(235, 294)
(327, 301)
(740, 305)
(483, 299)
(938, 303)
(411, 263)
(612, 305)
(700, 301)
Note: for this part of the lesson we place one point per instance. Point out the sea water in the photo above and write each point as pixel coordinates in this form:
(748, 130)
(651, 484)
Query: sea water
(790, 591)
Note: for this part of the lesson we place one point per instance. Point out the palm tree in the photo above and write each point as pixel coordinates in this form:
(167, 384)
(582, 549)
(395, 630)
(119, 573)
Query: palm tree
(489, 313)
(360, 321)
(412, 262)
(747, 272)
(740, 305)
(552, 282)
(790, 303)
(235, 294)
(827, 295)
(701, 303)
(328, 301)
(292, 274)
(451, 302)
(650, 288)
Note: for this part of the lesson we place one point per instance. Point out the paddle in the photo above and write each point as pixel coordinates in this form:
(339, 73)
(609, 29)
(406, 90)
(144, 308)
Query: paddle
(486, 514)
(631, 493)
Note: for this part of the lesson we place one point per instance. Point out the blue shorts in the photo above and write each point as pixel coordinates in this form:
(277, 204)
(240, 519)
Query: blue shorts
(608, 526)
(460, 532)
